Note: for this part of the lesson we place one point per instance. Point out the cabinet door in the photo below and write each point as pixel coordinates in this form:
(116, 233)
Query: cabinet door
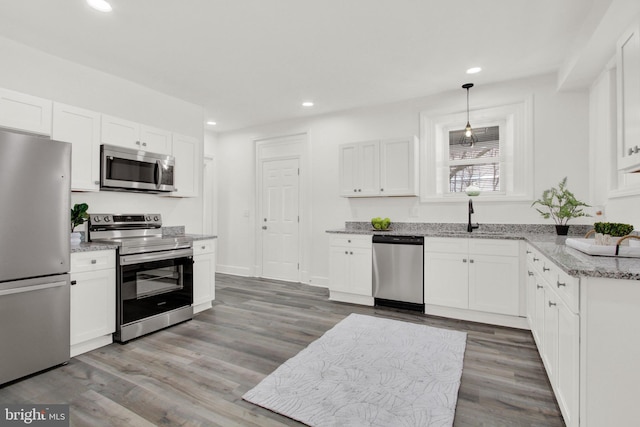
(628, 81)
(339, 269)
(446, 279)
(494, 283)
(188, 154)
(531, 296)
(398, 167)
(82, 129)
(204, 273)
(155, 140)
(24, 112)
(348, 158)
(93, 304)
(550, 335)
(567, 384)
(116, 131)
(539, 324)
(369, 169)
(360, 272)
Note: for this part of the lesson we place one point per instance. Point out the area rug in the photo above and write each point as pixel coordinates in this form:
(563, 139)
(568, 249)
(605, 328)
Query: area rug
(369, 371)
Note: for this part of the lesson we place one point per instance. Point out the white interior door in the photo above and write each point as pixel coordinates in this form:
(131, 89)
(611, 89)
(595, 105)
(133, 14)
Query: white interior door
(280, 219)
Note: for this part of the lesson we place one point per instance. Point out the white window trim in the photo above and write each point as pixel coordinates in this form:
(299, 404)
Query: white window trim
(516, 160)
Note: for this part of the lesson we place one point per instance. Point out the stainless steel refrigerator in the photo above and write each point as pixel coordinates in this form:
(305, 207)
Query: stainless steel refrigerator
(34, 254)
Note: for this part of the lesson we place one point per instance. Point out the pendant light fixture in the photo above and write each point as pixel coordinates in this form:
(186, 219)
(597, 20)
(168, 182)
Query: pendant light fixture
(468, 139)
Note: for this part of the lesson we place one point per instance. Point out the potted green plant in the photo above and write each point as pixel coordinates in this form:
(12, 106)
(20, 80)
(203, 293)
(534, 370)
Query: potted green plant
(78, 216)
(606, 230)
(561, 205)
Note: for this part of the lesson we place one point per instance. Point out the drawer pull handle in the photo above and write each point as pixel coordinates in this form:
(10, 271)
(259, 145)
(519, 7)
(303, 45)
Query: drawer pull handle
(558, 283)
(203, 247)
(535, 259)
(545, 268)
(539, 286)
(528, 252)
(73, 282)
(530, 273)
(93, 261)
(552, 304)
(348, 241)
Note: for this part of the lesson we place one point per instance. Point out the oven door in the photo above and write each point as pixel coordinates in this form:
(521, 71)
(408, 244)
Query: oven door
(154, 283)
(122, 168)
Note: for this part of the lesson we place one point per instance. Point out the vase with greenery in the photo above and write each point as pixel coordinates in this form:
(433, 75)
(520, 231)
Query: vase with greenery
(78, 217)
(605, 231)
(561, 205)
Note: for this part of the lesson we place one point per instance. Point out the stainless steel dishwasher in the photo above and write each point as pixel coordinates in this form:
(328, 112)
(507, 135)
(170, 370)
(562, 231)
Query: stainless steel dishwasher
(398, 270)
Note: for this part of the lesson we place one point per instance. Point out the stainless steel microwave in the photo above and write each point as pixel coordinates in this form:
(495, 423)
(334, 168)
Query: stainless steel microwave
(125, 169)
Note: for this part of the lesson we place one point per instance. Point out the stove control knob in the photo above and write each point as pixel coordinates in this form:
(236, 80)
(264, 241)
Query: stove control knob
(107, 219)
(148, 218)
(96, 219)
(155, 218)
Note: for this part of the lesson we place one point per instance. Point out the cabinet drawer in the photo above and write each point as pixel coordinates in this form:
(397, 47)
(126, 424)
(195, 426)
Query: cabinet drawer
(92, 260)
(494, 247)
(446, 245)
(352, 240)
(204, 247)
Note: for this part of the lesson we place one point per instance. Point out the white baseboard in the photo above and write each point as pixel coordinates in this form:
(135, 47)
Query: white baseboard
(236, 271)
(319, 281)
(351, 298)
(478, 316)
(92, 344)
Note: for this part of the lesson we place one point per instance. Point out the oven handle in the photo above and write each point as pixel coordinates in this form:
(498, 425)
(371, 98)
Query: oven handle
(155, 256)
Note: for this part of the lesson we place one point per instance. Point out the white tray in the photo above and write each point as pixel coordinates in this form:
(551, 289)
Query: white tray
(588, 246)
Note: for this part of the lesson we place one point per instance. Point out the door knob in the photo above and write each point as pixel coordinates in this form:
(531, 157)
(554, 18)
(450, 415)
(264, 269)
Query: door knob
(264, 227)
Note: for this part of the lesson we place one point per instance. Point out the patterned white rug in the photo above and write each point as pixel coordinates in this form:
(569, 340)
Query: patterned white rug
(369, 371)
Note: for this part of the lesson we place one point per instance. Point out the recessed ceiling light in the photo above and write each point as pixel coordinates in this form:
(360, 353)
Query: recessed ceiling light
(474, 70)
(100, 5)
(307, 104)
(211, 123)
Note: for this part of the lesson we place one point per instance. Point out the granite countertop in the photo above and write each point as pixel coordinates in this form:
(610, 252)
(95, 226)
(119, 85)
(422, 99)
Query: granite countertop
(90, 246)
(542, 237)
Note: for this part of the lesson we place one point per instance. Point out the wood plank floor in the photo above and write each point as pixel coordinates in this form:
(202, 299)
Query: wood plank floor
(195, 373)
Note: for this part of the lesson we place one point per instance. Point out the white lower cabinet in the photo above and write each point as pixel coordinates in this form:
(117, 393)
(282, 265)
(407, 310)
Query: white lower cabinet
(204, 274)
(556, 329)
(482, 275)
(93, 300)
(350, 263)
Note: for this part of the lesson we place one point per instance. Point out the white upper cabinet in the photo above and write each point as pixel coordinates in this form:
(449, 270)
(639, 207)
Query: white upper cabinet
(125, 133)
(379, 168)
(82, 129)
(25, 112)
(187, 151)
(628, 81)
(399, 167)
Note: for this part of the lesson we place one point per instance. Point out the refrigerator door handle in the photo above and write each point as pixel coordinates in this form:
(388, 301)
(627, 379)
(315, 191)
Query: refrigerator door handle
(31, 288)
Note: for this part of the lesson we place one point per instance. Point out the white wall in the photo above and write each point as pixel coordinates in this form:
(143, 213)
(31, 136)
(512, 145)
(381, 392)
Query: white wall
(560, 147)
(37, 73)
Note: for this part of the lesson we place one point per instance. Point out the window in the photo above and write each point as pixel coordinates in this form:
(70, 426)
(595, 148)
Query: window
(500, 162)
(477, 164)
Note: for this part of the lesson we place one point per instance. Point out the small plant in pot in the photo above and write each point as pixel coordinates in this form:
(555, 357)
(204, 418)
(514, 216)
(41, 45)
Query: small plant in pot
(78, 217)
(561, 205)
(605, 231)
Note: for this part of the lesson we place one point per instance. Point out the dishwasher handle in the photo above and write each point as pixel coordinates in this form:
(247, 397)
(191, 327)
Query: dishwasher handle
(398, 240)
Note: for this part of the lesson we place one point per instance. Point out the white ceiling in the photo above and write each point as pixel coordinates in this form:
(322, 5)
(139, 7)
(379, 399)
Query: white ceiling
(254, 61)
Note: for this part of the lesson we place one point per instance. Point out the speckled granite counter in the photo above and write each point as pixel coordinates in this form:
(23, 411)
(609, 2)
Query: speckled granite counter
(196, 237)
(88, 247)
(542, 237)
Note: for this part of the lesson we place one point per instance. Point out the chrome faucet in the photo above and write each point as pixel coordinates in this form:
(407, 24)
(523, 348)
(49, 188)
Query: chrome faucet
(471, 227)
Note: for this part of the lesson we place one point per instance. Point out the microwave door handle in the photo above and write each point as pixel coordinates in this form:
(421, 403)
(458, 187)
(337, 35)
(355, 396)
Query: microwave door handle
(158, 173)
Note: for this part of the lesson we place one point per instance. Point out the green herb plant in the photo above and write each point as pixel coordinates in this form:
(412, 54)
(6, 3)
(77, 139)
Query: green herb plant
(614, 229)
(79, 215)
(560, 204)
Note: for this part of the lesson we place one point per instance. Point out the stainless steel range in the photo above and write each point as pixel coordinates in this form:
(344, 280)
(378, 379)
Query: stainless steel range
(154, 272)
